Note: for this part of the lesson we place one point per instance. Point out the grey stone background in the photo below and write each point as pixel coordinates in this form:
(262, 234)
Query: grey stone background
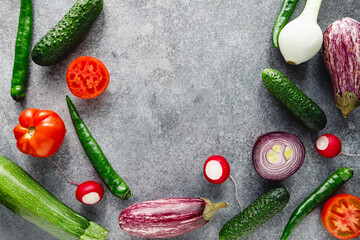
(185, 85)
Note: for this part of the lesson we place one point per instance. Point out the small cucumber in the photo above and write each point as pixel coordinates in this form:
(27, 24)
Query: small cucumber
(60, 40)
(20, 193)
(257, 213)
(294, 100)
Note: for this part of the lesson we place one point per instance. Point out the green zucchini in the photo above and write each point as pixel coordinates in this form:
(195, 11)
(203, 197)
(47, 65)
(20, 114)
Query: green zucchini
(60, 40)
(20, 193)
(256, 214)
(294, 100)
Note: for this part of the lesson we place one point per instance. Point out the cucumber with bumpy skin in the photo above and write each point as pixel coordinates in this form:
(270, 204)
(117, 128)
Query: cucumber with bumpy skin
(294, 100)
(20, 193)
(256, 214)
(60, 40)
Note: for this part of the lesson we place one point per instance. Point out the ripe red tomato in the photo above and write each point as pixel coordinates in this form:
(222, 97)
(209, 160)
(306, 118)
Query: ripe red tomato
(87, 77)
(341, 216)
(39, 132)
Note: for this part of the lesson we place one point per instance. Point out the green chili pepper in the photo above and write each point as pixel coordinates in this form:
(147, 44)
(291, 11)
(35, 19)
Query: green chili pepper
(97, 158)
(338, 178)
(285, 12)
(22, 51)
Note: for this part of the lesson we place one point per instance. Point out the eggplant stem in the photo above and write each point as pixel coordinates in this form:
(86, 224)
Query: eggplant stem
(210, 208)
(236, 191)
(350, 154)
(57, 165)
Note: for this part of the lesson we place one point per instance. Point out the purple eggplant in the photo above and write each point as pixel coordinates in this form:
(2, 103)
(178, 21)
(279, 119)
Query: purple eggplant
(341, 54)
(169, 217)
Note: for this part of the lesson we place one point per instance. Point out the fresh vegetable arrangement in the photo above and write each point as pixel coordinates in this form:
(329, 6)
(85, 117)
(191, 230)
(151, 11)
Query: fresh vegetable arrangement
(164, 218)
(277, 155)
(341, 54)
(67, 33)
(22, 51)
(302, 38)
(339, 177)
(20, 193)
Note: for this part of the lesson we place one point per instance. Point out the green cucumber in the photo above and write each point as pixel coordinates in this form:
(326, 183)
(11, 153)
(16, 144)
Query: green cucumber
(60, 40)
(294, 100)
(257, 213)
(20, 193)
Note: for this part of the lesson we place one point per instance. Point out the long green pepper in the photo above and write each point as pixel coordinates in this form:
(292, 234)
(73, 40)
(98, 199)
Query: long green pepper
(339, 177)
(22, 51)
(97, 158)
(285, 12)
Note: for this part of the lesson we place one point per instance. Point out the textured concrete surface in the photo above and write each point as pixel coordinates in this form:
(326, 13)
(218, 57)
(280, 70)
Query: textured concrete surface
(185, 85)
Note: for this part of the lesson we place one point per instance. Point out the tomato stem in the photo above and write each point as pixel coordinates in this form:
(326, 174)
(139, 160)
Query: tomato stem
(236, 191)
(57, 165)
(31, 131)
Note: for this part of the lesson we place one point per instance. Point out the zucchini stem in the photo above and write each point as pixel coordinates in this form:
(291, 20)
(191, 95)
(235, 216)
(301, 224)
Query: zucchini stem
(57, 165)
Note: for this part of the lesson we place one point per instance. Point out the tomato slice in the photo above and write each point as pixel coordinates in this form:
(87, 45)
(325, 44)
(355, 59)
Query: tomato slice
(87, 77)
(341, 216)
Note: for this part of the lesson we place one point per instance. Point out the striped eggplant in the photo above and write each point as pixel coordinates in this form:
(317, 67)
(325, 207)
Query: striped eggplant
(169, 217)
(341, 54)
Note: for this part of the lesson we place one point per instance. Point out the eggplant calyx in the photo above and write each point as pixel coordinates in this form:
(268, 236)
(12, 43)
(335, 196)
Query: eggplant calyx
(210, 208)
(347, 102)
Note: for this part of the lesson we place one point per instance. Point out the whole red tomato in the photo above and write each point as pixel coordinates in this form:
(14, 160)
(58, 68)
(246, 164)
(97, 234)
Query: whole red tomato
(341, 216)
(39, 132)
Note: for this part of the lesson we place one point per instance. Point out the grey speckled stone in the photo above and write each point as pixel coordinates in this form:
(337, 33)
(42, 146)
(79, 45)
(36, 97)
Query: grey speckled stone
(185, 85)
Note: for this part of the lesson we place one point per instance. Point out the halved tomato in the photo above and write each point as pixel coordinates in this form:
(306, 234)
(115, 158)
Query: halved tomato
(87, 77)
(341, 216)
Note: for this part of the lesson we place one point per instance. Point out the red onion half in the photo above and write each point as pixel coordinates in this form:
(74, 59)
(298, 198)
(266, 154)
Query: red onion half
(277, 155)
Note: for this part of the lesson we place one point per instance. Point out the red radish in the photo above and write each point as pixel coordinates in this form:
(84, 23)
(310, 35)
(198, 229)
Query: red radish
(89, 192)
(329, 145)
(165, 218)
(216, 169)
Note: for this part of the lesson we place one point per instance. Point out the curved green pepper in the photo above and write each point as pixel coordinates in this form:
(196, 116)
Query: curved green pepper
(97, 158)
(285, 12)
(338, 178)
(22, 51)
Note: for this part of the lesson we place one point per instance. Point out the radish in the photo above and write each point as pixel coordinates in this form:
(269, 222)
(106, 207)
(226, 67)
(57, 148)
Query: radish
(217, 170)
(89, 192)
(329, 145)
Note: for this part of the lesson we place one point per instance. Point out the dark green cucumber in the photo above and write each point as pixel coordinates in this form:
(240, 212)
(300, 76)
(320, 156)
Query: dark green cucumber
(294, 100)
(20, 193)
(257, 213)
(60, 40)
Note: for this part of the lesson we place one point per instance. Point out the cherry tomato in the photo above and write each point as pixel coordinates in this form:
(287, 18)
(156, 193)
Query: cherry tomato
(341, 216)
(87, 77)
(39, 132)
